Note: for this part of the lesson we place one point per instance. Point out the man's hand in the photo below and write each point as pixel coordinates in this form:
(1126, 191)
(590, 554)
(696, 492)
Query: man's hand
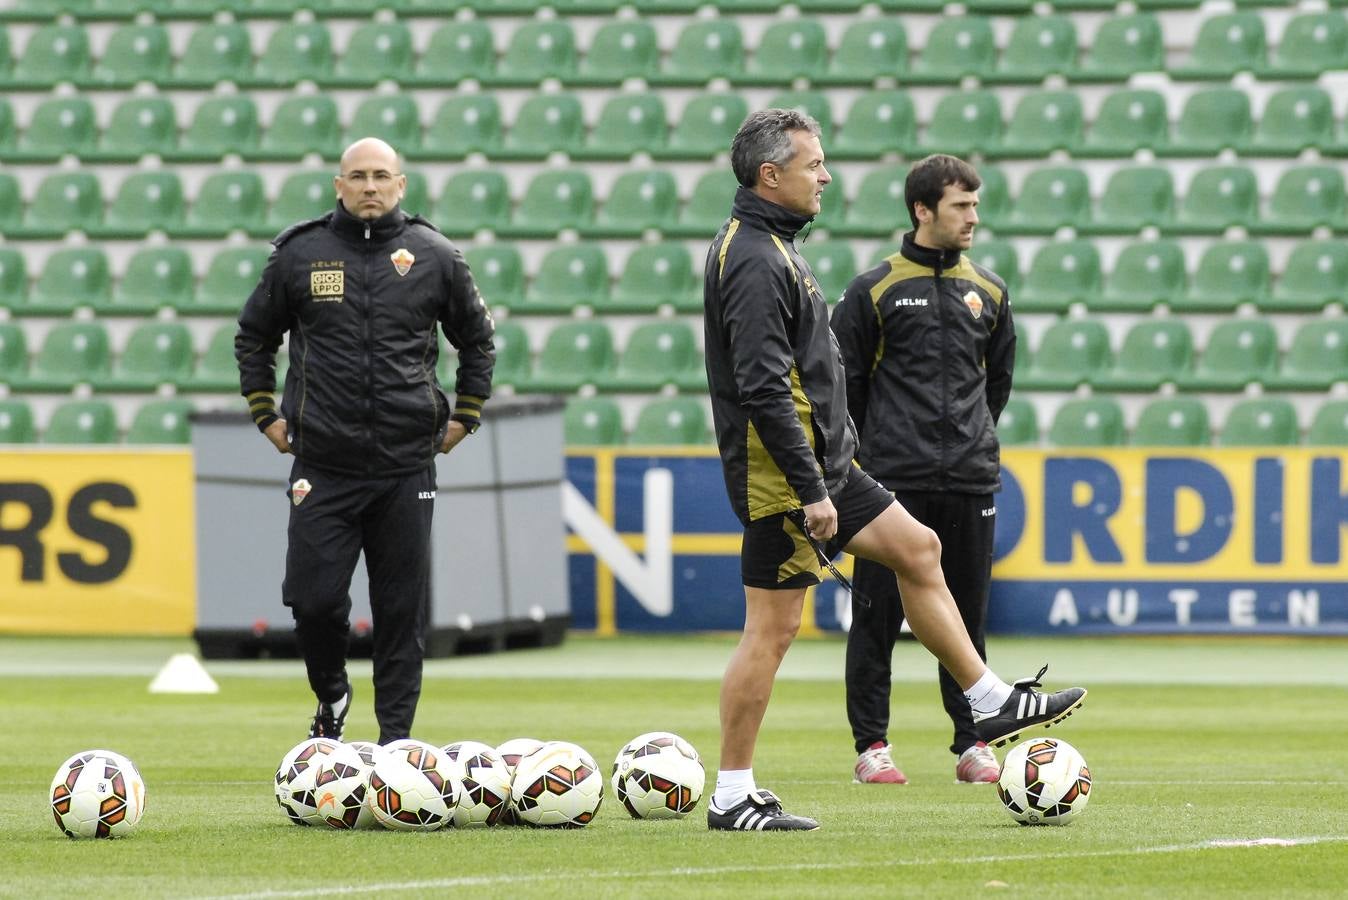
(456, 432)
(276, 433)
(821, 520)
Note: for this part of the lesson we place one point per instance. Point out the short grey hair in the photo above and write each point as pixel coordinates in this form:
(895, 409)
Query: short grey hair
(765, 137)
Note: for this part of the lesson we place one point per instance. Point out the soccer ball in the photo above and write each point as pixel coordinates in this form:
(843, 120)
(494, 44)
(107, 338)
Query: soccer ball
(658, 776)
(485, 780)
(368, 750)
(339, 789)
(511, 752)
(295, 779)
(97, 794)
(1044, 781)
(557, 786)
(412, 787)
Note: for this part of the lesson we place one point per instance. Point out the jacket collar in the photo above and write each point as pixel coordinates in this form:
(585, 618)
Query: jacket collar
(751, 208)
(936, 260)
(384, 228)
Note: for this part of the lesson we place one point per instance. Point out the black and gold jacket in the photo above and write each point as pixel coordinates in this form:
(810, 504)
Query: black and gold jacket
(777, 395)
(929, 347)
(362, 301)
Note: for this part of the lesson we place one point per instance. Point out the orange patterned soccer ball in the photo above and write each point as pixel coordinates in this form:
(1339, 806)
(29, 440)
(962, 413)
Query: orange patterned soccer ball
(97, 794)
(1044, 781)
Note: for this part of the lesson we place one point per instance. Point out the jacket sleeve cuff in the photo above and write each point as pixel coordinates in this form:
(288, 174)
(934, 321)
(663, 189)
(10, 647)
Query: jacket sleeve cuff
(468, 412)
(262, 407)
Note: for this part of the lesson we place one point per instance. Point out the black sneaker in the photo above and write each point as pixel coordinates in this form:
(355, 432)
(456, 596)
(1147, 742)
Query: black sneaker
(330, 718)
(760, 811)
(1026, 708)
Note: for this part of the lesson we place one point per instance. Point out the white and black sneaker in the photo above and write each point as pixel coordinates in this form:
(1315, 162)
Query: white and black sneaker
(760, 811)
(330, 719)
(1025, 709)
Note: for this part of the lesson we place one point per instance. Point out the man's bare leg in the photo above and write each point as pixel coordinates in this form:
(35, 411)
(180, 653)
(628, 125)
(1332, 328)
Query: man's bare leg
(771, 620)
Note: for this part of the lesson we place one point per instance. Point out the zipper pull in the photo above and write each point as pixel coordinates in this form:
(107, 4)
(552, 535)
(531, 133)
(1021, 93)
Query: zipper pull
(367, 231)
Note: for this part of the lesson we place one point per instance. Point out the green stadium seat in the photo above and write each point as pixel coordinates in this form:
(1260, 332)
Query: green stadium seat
(1129, 120)
(230, 277)
(1018, 425)
(1311, 44)
(1061, 273)
(706, 127)
(72, 353)
(11, 206)
(1305, 198)
(13, 354)
(1228, 274)
(628, 124)
(1173, 422)
(55, 53)
(60, 126)
(538, 50)
(1219, 197)
(1043, 121)
(868, 49)
(1316, 359)
(1212, 120)
(670, 422)
(226, 201)
(393, 118)
(546, 124)
(788, 49)
(376, 51)
(457, 51)
(498, 269)
(1071, 353)
(13, 278)
(587, 422)
(216, 52)
(64, 202)
(640, 200)
(139, 126)
(1329, 426)
(416, 195)
(463, 124)
(964, 123)
(6, 55)
(1051, 197)
(82, 422)
(473, 200)
(658, 355)
(878, 208)
(513, 357)
(708, 206)
(1147, 273)
(1087, 422)
(705, 50)
(1039, 46)
(879, 122)
(16, 422)
(1123, 46)
(216, 371)
(295, 51)
(302, 124)
(1154, 352)
(1295, 119)
(570, 276)
(220, 126)
(555, 200)
(911, 6)
(1239, 352)
(1226, 43)
(998, 255)
(134, 53)
(833, 263)
(161, 422)
(145, 202)
(654, 276)
(9, 128)
(994, 198)
(574, 354)
(1135, 197)
(302, 196)
(1316, 275)
(155, 353)
(155, 278)
(621, 49)
(958, 47)
(72, 277)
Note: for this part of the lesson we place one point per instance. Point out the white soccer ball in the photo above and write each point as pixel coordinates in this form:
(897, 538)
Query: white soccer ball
(658, 776)
(557, 786)
(511, 752)
(412, 787)
(368, 750)
(486, 784)
(339, 789)
(97, 794)
(1044, 781)
(295, 779)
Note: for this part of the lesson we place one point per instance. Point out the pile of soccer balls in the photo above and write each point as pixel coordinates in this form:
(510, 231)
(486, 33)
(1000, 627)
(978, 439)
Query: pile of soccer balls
(410, 785)
(1044, 781)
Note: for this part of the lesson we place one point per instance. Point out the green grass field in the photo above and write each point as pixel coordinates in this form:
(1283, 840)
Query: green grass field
(1200, 749)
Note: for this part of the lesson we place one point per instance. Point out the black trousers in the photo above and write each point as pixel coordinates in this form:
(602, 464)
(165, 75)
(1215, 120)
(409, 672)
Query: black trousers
(964, 523)
(390, 519)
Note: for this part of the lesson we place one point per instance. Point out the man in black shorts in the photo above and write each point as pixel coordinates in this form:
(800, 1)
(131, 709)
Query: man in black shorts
(787, 446)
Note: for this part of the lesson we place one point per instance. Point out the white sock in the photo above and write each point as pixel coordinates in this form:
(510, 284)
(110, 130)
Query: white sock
(732, 786)
(988, 693)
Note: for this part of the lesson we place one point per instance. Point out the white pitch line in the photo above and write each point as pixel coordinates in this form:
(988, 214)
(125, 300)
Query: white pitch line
(710, 871)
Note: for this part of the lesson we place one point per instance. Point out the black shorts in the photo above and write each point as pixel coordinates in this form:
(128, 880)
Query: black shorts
(775, 553)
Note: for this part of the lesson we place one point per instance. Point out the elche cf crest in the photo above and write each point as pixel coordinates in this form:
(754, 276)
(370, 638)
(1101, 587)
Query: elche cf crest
(402, 260)
(975, 303)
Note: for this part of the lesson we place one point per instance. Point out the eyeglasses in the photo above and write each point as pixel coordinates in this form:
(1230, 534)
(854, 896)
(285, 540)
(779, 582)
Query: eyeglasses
(380, 178)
